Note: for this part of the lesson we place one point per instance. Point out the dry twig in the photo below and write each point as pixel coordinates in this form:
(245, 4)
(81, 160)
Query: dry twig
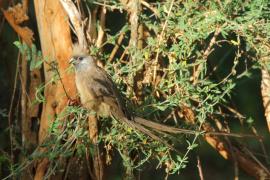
(146, 4)
(206, 53)
(199, 166)
(101, 30)
(116, 47)
(160, 38)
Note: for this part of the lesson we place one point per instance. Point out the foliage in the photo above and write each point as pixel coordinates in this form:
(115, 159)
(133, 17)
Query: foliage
(32, 54)
(182, 40)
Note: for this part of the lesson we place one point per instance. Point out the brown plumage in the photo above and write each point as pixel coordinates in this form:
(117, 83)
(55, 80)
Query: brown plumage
(96, 88)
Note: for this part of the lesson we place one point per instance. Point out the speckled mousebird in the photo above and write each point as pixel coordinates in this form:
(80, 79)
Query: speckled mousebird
(96, 89)
(98, 92)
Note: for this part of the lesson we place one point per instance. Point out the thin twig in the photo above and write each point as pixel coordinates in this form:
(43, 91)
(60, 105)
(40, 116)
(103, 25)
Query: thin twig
(257, 161)
(88, 29)
(234, 159)
(206, 53)
(160, 40)
(101, 30)
(123, 54)
(116, 47)
(10, 114)
(239, 115)
(58, 74)
(261, 144)
(199, 166)
(154, 10)
(107, 6)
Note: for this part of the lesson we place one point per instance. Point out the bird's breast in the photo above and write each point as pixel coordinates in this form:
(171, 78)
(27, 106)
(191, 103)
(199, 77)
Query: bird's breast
(87, 98)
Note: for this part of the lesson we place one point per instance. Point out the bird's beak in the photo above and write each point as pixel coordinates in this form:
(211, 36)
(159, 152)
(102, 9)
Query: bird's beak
(72, 60)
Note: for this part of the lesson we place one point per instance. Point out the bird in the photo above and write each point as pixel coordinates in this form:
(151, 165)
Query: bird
(96, 89)
(98, 93)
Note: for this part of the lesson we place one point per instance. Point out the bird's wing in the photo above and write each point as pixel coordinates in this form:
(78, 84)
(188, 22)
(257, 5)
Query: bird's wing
(103, 87)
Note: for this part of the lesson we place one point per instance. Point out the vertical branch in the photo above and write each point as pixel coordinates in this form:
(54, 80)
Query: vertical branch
(52, 22)
(23, 78)
(265, 89)
(140, 36)
(76, 20)
(265, 82)
(199, 166)
(11, 111)
(101, 30)
(132, 7)
(160, 38)
(91, 32)
(98, 165)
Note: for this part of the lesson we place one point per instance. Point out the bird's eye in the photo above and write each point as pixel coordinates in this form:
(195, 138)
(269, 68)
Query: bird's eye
(80, 58)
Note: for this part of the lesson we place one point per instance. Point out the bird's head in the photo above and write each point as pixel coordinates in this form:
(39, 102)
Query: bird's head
(81, 59)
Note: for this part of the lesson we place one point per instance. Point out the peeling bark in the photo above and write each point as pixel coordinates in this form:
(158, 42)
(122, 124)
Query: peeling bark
(56, 44)
(265, 90)
(29, 81)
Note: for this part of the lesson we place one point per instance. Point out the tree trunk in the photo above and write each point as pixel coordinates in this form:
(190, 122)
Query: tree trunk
(56, 45)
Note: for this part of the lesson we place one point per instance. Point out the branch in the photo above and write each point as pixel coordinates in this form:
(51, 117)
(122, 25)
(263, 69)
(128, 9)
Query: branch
(101, 30)
(154, 10)
(132, 8)
(15, 16)
(245, 161)
(206, 53)
(76, 21)
(265, 89)
(160, 41)
(116, 47)
(98, 165)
